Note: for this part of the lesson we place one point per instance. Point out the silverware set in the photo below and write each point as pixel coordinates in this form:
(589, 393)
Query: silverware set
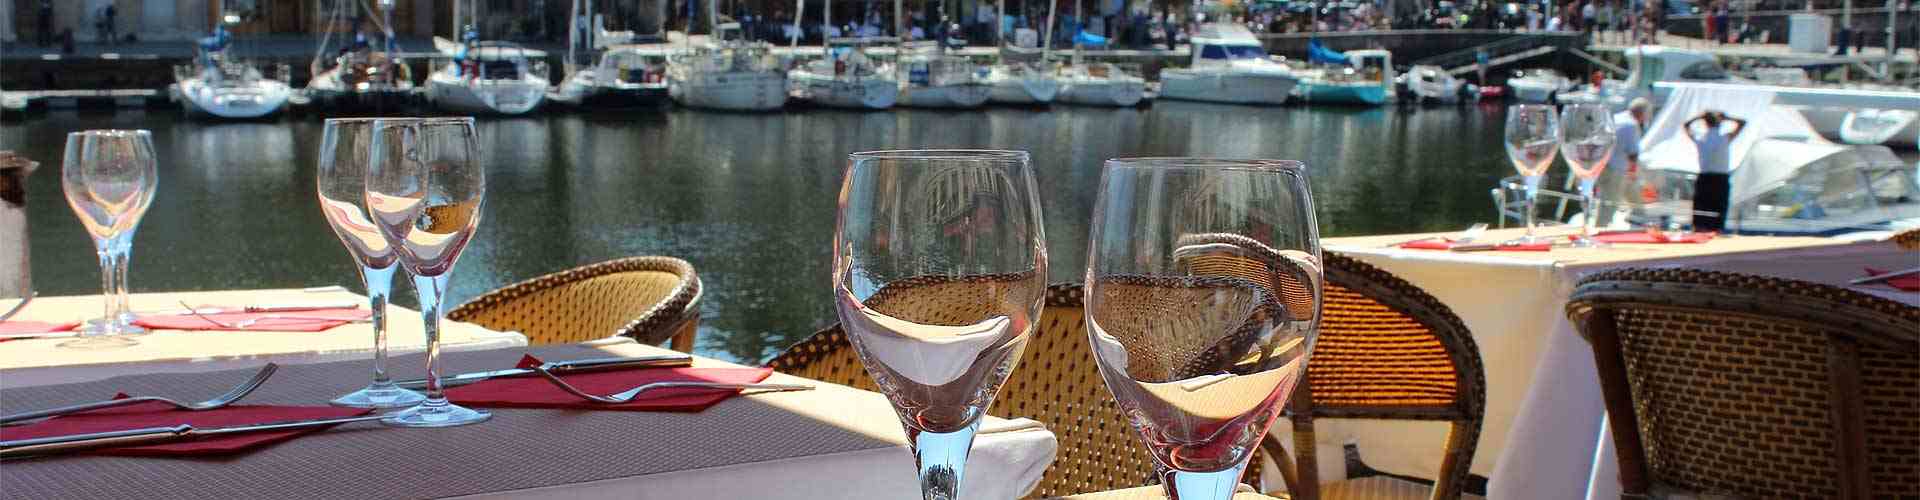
(53, 445)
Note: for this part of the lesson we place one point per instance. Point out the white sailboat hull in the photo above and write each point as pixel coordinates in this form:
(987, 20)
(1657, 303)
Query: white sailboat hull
(1232, 88)
(1029, 90)
(732, 90)
(1122, 93)
(1530, 90)
(476, 96)
(257, 99)
(968, 95)
(864, 93)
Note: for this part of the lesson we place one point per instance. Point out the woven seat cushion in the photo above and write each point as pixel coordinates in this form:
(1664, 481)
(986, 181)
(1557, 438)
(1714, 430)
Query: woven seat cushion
(648, 298)
(1378, 488)
(1372, 355)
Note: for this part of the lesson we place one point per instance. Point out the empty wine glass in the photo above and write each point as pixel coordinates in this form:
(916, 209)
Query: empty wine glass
(939, 271)
(1586, 141)
(1203, 303)
(342, 187)
(1532, 137)
(424, 185)
(109, 177)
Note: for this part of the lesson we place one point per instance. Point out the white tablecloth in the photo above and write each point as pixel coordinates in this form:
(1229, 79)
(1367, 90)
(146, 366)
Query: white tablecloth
(30, 362)
(1544, 414)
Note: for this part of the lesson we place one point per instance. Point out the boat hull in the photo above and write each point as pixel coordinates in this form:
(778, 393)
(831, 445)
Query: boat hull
(1024, 91)
(867, 93)
(731, 91)
(1367, 94)
(505, 97)
(970, 95)
(1531, 91)
(1103, 93)
(1227, 88)
(198, 98)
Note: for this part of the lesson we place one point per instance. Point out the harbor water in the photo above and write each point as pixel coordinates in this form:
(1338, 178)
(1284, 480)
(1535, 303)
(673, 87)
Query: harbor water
(749, 199)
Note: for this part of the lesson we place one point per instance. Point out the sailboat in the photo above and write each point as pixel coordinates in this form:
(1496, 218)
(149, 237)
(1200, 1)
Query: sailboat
(488, 78)
(1021, 83)
(936, 79)
(847, 77)
(625, 76)
(727, 74)
(216, 85)
(361, 79)
(1094, 84)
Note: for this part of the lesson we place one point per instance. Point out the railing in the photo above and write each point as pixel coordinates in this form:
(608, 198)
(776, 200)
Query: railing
(1514, 45)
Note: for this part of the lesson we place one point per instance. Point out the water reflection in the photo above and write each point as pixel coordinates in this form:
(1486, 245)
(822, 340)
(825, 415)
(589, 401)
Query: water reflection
(748, 199)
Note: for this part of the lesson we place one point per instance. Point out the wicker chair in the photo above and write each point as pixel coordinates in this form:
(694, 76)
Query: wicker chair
(1387, 350)
(1731, 384)
(1909, 239)
(650, 299)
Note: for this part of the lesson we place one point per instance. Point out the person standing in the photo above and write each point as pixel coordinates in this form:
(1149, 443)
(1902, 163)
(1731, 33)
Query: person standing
(1711, 186)
(1624, 165)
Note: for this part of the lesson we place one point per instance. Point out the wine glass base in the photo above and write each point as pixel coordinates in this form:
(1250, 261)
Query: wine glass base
(99, 342)
(1585, 242)
(1216, 485)
(124, 326)
(379, 396)
(442, 414)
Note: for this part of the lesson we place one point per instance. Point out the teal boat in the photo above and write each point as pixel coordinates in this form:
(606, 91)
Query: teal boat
(1367, 80)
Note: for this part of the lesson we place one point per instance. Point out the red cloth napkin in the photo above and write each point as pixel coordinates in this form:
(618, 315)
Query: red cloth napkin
(1909, 282)
(283, 321)
(157, 414)
(537, 392)
(1650, 237)
(1448, 244)
(24, 327)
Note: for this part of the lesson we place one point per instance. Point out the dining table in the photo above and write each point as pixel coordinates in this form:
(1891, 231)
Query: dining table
(1544, 434)
(42, 361)
(830, 442)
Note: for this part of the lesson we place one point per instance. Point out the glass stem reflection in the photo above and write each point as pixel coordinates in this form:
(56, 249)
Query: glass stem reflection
(1590, 208)
(122, 250)
(1216, 485)
(942, 459)
(379, 282)
(110, 317)
(430, 290)
(1533, 196)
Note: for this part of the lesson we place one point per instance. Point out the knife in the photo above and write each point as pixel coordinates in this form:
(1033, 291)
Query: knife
(560, 368)
(151, 435)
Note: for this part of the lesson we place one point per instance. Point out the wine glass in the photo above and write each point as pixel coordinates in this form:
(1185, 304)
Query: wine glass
(1203, 303)
(1533, 135)
(342, 188)
(424, 184)
(109, 177)
(1586, 141)
(939, 271)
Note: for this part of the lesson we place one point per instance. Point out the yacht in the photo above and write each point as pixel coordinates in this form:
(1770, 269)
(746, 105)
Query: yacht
(1890, 127)
(1228, 65)
(1433, 84)
(1021, 84)
(1100, 84)
(624, 77)
(1648, 65)
(362, 81)
(488, 78)
(1366, 80)
(1537, 85)
(229, 89)
(727, 74)
(847, 77)
(935, 79)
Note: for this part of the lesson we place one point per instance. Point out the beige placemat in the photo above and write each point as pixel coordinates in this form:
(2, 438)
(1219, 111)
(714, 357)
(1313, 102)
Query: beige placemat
(518, 449)
(404, 329)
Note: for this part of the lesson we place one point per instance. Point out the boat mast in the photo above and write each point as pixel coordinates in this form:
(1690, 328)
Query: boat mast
(1046, 40)
(799, 12)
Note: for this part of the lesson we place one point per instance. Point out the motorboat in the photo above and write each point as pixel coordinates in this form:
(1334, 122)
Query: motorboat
(1648, 65)
(1100, 84)
(847, 77)
(1889, 127)
(362, 81)
(1537, 85)
(624, 77)
(229, 89)
(488, 77)
(728, 73)
(1021, 83)
(1366, 80)
(1228, 65)
(935, 79)
(1433, 84)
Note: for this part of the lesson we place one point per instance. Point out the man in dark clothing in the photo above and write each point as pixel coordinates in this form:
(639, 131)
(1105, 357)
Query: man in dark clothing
(45, 24)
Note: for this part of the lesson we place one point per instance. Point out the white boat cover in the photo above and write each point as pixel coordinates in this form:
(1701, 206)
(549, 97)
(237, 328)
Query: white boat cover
(1664, 148)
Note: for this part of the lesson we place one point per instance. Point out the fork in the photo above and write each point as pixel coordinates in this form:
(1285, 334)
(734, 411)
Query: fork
(243, 324)
(629, 394)
(238, 392)
(17, 307)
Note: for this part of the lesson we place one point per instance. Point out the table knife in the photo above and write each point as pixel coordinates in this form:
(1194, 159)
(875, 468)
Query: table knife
(560, 367)
(51, 445)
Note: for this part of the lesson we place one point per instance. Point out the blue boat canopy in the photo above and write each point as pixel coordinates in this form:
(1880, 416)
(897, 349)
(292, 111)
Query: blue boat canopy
(1321, 54)
(1089, 39)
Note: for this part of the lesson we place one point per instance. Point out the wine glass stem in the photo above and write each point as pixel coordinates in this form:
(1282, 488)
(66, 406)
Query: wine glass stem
(1533, 196)
(1216, 485)
(1589, 208)
(122, 253)
(379, 282)
(430, 289)
(942, 459)
(110, 301)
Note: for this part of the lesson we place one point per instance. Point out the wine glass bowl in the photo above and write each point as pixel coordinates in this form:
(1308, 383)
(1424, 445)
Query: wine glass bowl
(341, 185)
(424, 186)
(939, 269)
(1532, 138)
(1587, 140)
(109, 178)
(1203, 304)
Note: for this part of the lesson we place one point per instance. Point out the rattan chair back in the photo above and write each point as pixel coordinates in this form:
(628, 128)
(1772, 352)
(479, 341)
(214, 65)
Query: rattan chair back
(651, 299)
(1749, 386)
(1909, 239)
